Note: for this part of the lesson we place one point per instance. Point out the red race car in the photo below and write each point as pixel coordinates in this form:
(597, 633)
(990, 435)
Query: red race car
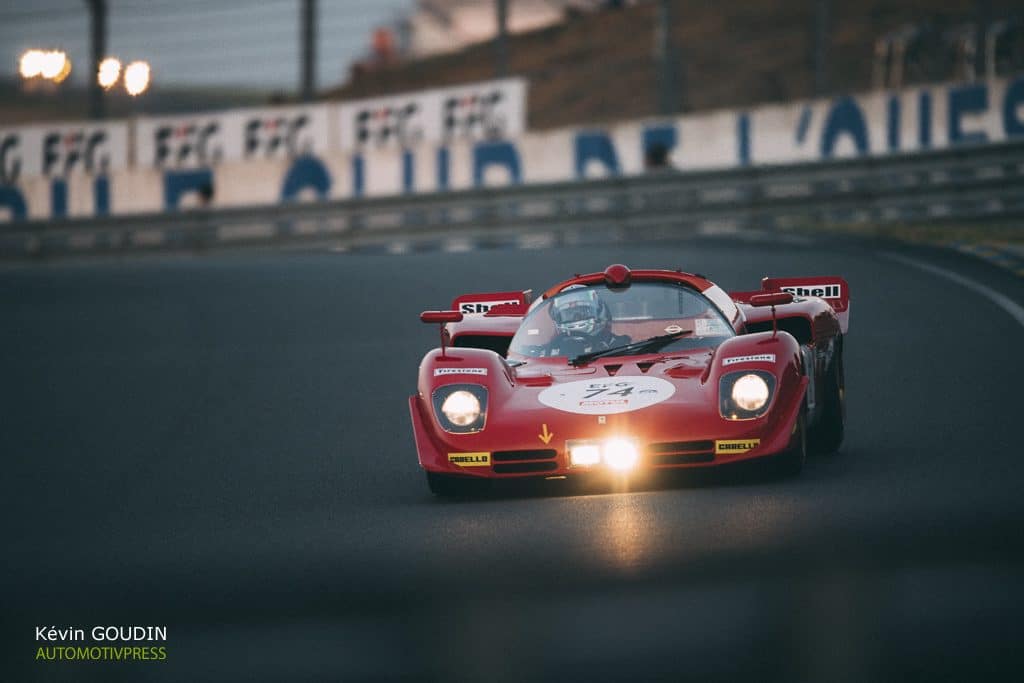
(623, 370)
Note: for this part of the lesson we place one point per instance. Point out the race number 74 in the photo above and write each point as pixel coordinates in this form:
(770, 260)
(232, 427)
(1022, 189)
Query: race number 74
(621, 389)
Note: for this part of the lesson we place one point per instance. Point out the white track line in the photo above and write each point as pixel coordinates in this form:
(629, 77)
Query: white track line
(1004, 302)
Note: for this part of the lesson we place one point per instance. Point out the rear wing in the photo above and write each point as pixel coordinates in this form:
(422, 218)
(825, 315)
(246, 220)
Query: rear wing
(493, 303)
(833, 289)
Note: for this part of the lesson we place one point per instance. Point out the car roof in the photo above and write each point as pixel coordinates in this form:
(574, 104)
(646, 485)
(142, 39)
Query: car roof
(698, 282)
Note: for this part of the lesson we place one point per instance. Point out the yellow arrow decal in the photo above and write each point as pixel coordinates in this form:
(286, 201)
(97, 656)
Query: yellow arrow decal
(545, 435)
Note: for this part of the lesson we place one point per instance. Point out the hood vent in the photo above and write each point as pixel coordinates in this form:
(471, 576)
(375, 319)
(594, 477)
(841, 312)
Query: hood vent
(534, 380)
(645, 366)
(684, 371)
(612, 369)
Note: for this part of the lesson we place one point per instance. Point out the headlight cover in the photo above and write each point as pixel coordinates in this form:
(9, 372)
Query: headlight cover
(460, 408)
(746, 394)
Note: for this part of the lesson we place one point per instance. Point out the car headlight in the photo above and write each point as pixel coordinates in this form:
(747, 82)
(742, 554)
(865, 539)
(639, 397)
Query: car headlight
(750, 392)
(745, 395)
(584, 453)
(461, 408)
(618, 454)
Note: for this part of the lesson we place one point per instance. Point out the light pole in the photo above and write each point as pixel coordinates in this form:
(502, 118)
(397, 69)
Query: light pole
(308, 40)
(501, 44)
(664, 56)
(821, 40)
(98, 50)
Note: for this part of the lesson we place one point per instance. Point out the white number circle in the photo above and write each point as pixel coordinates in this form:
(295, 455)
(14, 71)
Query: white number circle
(608, 396)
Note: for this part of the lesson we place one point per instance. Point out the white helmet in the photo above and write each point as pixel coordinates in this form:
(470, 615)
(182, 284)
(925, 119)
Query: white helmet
(580, 313)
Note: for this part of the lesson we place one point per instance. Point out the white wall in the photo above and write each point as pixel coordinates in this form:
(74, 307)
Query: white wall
(258, 157)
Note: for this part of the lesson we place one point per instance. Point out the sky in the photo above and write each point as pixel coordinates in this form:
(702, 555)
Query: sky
(248, 43)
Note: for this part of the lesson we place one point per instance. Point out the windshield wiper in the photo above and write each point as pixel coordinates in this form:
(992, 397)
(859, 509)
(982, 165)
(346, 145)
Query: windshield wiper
(651, 344)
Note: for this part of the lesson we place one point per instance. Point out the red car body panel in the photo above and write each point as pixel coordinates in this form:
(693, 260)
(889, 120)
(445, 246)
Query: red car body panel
(525, 437)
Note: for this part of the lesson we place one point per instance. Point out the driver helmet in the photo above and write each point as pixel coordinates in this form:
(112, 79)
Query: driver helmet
(580, 313)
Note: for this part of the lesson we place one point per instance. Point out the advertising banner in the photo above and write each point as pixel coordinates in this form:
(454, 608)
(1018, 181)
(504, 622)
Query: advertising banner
(198, 141)
(62, 150)
(491, 110)
(456, 138)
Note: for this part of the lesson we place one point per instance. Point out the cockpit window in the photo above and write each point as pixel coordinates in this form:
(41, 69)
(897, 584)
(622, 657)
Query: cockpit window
(585, 319)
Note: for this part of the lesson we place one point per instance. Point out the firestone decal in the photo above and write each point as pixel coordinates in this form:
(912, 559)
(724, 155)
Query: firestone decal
(759, 358)
(607, 397)
(459, 371)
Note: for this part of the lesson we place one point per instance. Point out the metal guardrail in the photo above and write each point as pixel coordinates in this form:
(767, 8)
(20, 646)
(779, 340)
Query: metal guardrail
(967, 183)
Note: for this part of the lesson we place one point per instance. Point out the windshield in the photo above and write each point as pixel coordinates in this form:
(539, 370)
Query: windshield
(583, 320)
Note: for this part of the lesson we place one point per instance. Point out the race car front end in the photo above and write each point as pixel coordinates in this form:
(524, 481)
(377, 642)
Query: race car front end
(475, 417)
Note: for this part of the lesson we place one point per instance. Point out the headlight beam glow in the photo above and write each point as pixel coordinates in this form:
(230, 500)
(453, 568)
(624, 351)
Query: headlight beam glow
(108, 73)
(584, 454)
(461, 408)
(31, 63)
(620, 455)
(136, 78)
(52, 65)
(750, 392)
(617, 454)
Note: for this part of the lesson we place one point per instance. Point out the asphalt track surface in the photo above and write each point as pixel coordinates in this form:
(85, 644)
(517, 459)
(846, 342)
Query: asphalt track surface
(220, 444)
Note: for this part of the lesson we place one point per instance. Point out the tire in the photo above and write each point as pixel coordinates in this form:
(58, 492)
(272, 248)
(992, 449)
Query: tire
(448, 486)
(827, 434)
(790, 463)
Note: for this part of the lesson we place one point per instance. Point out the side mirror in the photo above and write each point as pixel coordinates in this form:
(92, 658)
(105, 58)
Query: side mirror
(441, 317)
(771, 299)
